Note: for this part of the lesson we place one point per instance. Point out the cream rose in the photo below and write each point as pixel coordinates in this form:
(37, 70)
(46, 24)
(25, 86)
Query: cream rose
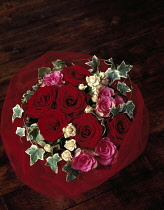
(66, 155)
(88, 109)
(82, 87)
(48, 148)
(70, 144)
(93, 80)
(70, 130)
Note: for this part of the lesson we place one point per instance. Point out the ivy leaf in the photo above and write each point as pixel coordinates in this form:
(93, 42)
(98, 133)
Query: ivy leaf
(27, 95)
(114, 111)
(71, 173)
(58, 65)
(35, 154)
(52, 162)
(20, 131)
(124, 69)
(94, 64)
(112, 75)
(40, 140)
(43, 71)
(35, 87)
(17, 112)
(123, 88)
(113, 66)
(128, 108)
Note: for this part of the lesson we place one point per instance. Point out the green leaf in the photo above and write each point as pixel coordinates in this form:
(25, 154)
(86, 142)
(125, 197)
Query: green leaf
(113, 66)
(71, 173)
(128, 108)
(124, 69)
(35, 154)
(123, 88)
(40, 140)
(27, 95)
(52, 162)
(112, 75)
(17, 112)
(94, 64)
(43, 71)
(20, 131)
(114, 111)
(58, 65)
(35, 87)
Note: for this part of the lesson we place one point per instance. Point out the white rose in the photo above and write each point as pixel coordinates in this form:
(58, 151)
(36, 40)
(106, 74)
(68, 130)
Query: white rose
(48, 148)
(95, 98)
(70, 130)
(93, 80)
(70, 144)
(88, 109)
(66, 155)
(102, 74)
(82, 87)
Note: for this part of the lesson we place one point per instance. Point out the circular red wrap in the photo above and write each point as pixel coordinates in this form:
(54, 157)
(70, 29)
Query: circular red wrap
(40, 177)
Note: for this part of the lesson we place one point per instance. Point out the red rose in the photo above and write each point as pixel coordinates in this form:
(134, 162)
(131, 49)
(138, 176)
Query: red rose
(88, 131)
(75, 74)
(52, 123)
(117, 128)
(42, 100)
(71, 100)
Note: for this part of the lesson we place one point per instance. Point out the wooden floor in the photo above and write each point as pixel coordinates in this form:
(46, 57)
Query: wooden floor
(123, 29)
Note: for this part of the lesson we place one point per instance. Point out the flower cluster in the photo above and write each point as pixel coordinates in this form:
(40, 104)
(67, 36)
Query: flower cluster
(76, 115)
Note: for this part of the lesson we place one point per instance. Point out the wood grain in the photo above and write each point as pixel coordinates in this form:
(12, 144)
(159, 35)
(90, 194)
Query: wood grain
(125, 30)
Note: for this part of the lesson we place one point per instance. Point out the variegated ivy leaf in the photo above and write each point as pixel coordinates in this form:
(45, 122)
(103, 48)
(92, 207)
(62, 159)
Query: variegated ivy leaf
(58, 65)
(128, 108)
(112, 75)
(27, 95)
(40, 140)
(71, 173)
(114, 111)
(35, 87)
(17, 112)
(43, 71)
(123, 88)
(113, 66)
(124, 69)
(94, 64)
(20, 131)
(52, 162)
(115, 73)
(35, 154)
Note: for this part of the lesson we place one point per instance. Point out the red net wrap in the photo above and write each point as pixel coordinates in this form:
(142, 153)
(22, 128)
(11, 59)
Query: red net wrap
(40, 177)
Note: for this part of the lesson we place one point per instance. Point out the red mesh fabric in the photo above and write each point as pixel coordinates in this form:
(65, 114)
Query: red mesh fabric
(40, 177)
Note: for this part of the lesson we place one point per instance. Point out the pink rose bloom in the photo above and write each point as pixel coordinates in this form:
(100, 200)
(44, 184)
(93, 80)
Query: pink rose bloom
(103, 106)
(105, 91)
(119, 100)
(55, 78)
(107, 152)
(83, 161)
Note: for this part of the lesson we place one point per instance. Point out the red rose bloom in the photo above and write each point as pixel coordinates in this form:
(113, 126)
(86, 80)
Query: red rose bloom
(71, 100)
(117, 128)
(75, 75)
(42, 100)
(52, 123)
(88, 131)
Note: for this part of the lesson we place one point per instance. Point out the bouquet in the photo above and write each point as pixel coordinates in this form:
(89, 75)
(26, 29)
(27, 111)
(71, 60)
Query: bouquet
(78, 116)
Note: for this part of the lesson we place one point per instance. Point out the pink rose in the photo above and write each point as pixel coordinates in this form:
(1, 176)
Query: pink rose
(83, 161)
(107, 152)
(103, 106)
(55, 78)
(105, 91)
(119, 100)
